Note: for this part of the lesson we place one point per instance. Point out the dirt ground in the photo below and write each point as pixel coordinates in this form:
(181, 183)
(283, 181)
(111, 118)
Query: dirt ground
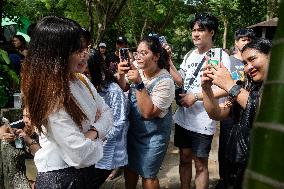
(169, 174)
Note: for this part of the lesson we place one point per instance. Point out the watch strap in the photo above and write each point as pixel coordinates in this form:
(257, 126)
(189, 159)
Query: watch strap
(234, 91)
(140, 86)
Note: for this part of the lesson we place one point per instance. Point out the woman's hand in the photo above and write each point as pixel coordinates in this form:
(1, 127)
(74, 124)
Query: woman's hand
(221, 77)
(134, 76)
(20, 133)
(9, 137)
(91, 134)
(123, 67)
(168, 49)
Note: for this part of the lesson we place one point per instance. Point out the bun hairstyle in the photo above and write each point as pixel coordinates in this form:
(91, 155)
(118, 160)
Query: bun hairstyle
(155, 46)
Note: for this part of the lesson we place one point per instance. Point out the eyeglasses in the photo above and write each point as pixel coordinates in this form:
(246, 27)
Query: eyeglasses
(141, 54)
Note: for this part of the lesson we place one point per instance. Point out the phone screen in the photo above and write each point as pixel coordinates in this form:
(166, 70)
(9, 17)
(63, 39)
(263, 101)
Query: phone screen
(123, 54)
(213, 63)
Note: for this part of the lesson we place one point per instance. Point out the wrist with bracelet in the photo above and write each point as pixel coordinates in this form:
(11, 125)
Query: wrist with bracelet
(234, 91)
(139, 86)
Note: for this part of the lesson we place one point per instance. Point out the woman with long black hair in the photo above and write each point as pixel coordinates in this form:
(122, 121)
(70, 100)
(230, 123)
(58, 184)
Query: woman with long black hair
(63, 105)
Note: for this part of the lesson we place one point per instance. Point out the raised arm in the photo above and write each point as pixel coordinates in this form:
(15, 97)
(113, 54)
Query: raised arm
(211, 104)
(175, 74)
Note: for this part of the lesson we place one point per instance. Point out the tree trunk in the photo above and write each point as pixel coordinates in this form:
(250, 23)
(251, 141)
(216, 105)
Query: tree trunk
(89, 4)
(107, 12)
(266, 168)
(225, 33)
(143, 28)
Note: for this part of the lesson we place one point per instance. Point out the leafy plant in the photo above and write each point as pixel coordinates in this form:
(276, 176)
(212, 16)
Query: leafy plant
(7, 76)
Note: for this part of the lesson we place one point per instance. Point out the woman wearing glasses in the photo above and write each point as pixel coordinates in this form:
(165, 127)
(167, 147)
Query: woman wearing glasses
(62, 106)
(151, 94)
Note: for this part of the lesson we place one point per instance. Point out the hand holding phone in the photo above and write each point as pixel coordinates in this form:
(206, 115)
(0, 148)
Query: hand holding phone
(212, 61)
(162, 40)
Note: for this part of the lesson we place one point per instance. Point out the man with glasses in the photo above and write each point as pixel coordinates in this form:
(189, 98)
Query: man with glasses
(194, 129)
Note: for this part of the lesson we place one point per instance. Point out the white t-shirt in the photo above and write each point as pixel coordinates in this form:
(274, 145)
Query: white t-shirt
(195, 118)
(163, 92)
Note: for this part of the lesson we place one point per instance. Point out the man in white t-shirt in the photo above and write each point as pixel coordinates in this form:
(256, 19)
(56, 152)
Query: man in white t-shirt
(194, 129)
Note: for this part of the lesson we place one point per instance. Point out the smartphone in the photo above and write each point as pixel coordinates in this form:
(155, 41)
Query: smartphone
(124, 54)
(18, 124)
(212, 62)
(162, 39)
(179, 90)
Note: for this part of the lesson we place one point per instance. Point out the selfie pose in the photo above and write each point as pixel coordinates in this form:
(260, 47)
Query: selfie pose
(63, 106)
(151, 94)
(241, 105)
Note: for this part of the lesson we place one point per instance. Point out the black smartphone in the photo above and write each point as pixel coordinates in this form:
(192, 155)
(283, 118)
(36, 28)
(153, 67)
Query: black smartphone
(17, 124)
(179, 90)
(124, 54)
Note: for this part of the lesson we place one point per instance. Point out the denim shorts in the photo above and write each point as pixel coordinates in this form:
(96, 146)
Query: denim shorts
(200, 144)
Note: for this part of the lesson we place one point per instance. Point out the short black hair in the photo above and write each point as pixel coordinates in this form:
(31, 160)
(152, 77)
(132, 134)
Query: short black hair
(21, 38)
(205, 21)
(244, 32)
(262, 45)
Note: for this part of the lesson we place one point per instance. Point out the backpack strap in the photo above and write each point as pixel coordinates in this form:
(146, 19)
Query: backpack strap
(81, 77)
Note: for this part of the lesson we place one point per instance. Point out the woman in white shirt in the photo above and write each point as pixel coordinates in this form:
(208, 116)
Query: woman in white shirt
(63, 106)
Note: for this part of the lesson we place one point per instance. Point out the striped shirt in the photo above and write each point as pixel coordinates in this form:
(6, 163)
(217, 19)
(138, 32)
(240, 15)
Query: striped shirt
(114, 150)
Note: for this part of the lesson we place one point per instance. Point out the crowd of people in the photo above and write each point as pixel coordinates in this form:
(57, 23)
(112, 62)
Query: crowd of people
(96, 113)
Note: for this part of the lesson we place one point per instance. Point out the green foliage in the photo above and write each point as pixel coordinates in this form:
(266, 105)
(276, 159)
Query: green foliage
(6, 77)
(138, 18)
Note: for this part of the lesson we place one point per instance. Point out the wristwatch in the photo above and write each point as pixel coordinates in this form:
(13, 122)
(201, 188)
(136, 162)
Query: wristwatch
(234, 91)
(140, 86)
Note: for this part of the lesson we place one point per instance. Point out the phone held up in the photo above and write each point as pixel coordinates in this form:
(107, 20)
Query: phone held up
(213, 62)
(162, 40)
(124, 55)
(19, 144)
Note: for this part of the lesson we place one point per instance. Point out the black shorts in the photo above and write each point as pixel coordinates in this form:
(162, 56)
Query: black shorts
(199, 144)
